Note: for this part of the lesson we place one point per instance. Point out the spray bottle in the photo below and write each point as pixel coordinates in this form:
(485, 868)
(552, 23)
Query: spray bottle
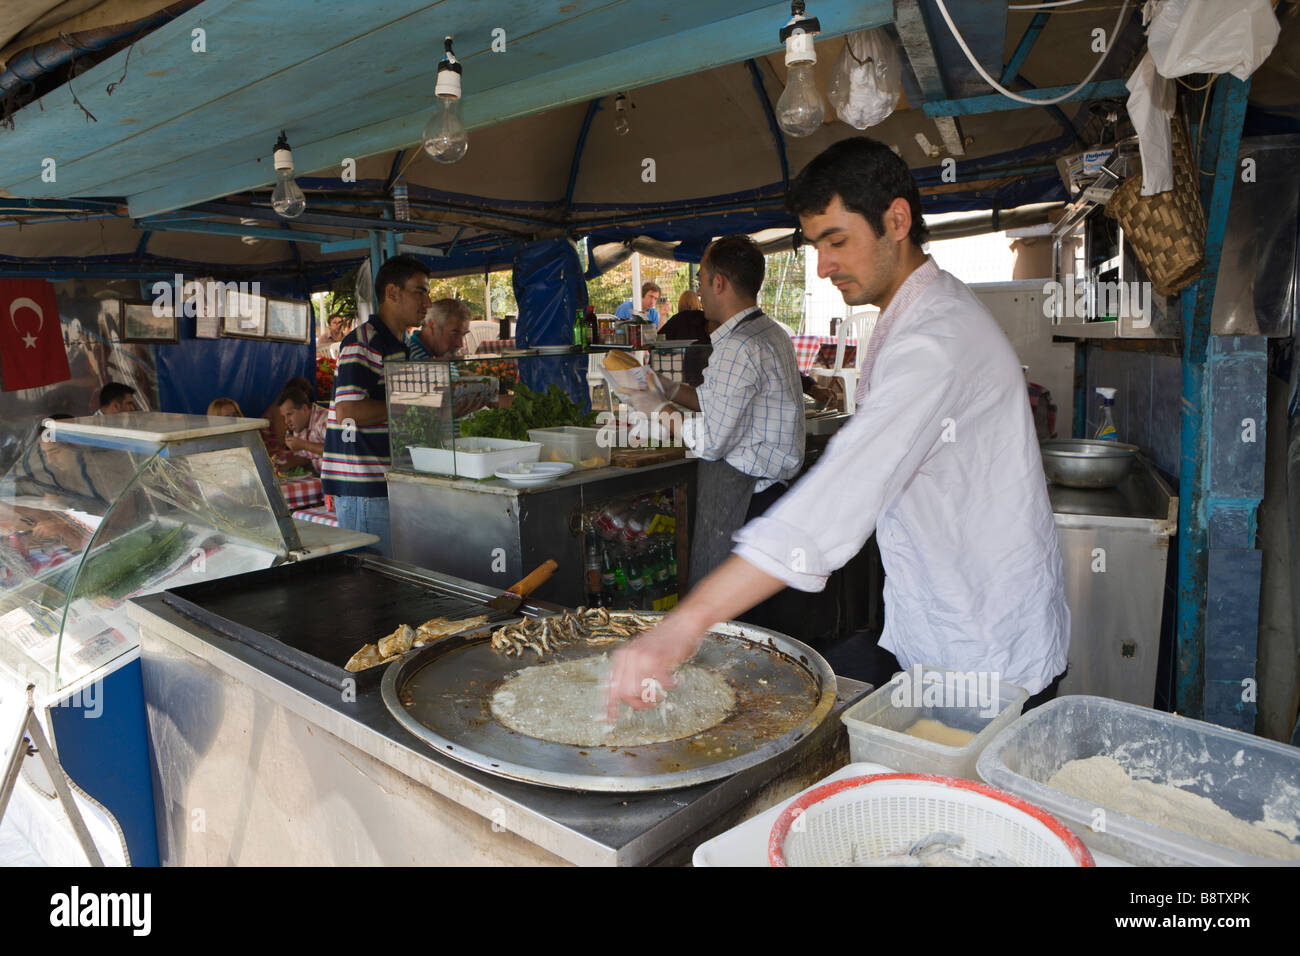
(1106, 431)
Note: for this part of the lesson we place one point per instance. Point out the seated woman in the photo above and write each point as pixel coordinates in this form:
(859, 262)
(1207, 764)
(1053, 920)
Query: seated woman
(225, 407)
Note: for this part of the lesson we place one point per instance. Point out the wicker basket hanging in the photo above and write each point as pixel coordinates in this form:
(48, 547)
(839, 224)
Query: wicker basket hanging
(1167, 230)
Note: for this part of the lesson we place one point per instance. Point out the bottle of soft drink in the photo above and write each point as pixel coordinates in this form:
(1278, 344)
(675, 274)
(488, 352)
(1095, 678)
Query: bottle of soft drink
(633, 568)
(594, 575)
(609, 586)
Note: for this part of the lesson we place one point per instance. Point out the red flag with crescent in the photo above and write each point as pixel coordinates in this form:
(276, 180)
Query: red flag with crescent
(32, 353)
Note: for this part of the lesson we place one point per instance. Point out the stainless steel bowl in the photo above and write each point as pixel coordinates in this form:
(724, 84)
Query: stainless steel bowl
(1086, 462)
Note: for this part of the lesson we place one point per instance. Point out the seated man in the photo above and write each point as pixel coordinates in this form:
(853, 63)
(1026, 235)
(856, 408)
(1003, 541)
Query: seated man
(440, 337)
(304, 427)
(115, 398)
(649, 296)
(273, 434)
(442, 334)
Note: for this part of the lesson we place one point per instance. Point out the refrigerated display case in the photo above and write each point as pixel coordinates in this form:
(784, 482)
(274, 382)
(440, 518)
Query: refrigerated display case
(97, 511)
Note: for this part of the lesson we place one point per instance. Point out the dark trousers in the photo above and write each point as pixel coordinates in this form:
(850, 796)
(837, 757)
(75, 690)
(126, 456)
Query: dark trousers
(781, 612)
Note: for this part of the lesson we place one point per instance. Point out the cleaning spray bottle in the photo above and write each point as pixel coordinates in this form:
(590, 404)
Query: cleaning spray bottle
(1106, 431)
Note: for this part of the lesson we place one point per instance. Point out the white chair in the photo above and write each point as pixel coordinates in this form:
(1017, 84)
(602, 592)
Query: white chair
(480, 331)
(862, 324)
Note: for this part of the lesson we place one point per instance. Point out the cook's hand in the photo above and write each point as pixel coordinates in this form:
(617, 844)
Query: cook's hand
(654, 655)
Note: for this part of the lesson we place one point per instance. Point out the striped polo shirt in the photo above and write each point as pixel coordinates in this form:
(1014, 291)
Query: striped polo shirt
(356, 458)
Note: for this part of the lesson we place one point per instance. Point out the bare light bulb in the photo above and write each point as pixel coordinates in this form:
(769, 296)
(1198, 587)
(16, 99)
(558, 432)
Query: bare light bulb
(799, 111)
(445, 138)
(286, 199)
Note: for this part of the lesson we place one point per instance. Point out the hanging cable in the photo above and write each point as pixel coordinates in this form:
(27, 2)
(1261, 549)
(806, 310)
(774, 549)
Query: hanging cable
(952, 27)
(1044, 6)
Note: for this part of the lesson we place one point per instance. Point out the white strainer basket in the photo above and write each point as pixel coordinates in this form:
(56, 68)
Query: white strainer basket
(861, 819)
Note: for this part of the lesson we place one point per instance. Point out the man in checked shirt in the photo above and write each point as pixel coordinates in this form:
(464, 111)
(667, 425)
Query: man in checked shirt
(750, 432)
(940, 460)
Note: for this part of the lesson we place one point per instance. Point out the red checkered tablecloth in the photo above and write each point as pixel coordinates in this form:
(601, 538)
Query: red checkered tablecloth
(807, 348)
(321, 515)
(494, 345)
(302, 492)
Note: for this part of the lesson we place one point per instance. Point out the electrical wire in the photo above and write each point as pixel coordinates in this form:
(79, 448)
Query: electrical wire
(961, 42)
(1044, 6)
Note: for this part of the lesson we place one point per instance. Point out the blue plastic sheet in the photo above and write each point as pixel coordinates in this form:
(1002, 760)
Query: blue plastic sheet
(550, 290)
(252, 372)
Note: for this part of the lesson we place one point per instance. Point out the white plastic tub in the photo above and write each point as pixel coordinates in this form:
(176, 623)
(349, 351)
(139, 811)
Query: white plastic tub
(1246, 775)
(570, 443)
(876, 724)
(473, 457)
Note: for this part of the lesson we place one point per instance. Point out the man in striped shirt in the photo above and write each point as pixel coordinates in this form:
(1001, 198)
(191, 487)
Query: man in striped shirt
(356, 440)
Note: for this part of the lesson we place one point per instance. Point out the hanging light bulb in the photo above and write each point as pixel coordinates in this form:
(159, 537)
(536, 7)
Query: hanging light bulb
(286, 199)
(444, 137)
(621, 126)
(799, 111)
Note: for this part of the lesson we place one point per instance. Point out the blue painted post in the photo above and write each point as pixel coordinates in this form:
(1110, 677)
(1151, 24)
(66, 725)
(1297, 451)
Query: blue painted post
(1237, 375)
(1223, 136)
(376, 253)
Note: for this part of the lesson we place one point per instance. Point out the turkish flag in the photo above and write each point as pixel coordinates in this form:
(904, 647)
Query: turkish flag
(31, 337)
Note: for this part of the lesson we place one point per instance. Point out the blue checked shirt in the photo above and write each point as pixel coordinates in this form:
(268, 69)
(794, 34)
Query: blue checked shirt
(751, 401)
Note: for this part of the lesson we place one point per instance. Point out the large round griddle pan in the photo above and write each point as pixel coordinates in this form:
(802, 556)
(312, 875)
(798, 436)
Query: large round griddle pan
(442, 693)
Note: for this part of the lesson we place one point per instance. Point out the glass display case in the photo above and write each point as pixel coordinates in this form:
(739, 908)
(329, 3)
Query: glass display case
(98, 510)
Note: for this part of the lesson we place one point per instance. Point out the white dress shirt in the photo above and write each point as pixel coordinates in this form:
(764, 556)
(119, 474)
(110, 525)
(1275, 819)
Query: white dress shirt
(942, 462)
(751, 401)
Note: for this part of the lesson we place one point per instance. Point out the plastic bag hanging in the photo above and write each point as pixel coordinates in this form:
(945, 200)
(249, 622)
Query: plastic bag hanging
(1227, 36)
(866, 82)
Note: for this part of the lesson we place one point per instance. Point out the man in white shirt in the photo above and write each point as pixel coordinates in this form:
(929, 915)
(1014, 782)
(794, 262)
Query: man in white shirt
(750, 433)
(940, 460)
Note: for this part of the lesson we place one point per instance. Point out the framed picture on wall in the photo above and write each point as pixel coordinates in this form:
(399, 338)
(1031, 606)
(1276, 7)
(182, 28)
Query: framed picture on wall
(243, 315)
(288, 320)
(148, 323)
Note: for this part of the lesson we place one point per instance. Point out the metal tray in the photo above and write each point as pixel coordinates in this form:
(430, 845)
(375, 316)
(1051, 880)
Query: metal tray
(449, 686)
(314, 615)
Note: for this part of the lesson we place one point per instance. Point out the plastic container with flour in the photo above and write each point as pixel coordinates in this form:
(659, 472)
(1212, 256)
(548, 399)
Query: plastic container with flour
(1249, 777)
(958, 701)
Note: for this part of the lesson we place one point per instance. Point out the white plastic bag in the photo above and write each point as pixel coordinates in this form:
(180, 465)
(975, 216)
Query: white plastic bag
(1151, 101)
(1223, 36)
(866, 84)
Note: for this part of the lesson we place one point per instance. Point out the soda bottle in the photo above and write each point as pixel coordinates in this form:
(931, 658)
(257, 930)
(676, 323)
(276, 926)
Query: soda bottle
(580, 330)
(608, 579)
(633, 568)
(594, 575)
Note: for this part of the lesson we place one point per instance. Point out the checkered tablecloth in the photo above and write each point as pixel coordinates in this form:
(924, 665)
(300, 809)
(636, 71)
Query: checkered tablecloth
(302, 492)
(494, 345)
(808, 347)
(321, 515)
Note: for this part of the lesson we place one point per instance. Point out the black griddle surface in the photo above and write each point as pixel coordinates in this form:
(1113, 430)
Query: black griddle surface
(326, 609)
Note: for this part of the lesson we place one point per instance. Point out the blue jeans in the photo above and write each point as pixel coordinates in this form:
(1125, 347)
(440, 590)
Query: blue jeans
(369, 515)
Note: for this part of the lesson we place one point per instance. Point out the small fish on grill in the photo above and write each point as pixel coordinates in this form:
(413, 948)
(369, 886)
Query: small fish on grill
(595, 627)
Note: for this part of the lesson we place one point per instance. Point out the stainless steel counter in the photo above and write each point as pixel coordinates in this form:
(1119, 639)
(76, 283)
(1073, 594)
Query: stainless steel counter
(257, 763)
(1115, 548)
(488, 531)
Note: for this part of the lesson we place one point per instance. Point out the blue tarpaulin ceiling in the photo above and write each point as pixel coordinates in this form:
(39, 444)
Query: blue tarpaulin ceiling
(173, 172)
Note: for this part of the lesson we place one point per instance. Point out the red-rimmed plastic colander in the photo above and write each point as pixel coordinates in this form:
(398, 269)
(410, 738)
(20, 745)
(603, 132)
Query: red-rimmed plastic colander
(864, 820)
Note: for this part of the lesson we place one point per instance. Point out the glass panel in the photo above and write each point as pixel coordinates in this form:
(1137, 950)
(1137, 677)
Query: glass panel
(420, 414)
(85, 529)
